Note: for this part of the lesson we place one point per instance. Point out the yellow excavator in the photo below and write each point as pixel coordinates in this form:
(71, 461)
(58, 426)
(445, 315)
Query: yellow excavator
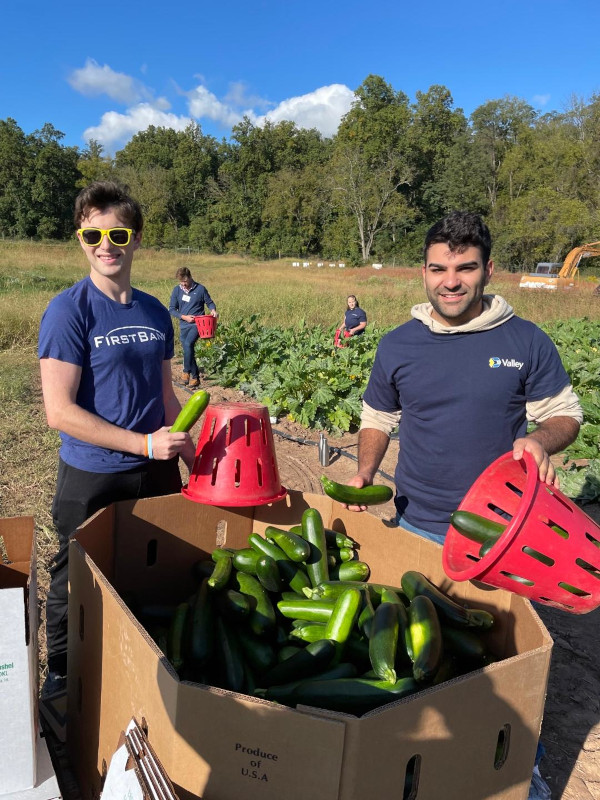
(551, 275)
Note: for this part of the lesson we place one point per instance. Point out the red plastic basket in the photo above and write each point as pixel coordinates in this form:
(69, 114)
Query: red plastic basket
(550, 549)
(235, 462)
(206, 325)
(337, 337)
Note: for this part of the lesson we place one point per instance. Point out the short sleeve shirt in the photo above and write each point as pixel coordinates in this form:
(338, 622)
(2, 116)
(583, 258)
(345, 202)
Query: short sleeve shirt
(120, 348)
(463, 399)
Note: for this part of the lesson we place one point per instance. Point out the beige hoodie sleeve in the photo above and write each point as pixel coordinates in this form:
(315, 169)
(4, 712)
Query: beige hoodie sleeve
(384, 421)
(563, 404)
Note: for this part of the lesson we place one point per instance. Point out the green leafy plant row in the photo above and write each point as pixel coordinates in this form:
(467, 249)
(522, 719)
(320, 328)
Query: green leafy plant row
(578, 342)
(296, 372)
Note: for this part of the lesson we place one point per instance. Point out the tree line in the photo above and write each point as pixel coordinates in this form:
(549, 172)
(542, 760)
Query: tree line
(368, 193)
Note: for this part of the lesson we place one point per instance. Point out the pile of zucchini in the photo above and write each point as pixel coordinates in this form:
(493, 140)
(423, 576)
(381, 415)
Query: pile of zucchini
(293, 618)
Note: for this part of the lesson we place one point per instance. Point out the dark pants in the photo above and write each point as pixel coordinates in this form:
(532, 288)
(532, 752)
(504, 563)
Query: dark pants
(189, 336)
(79, 494)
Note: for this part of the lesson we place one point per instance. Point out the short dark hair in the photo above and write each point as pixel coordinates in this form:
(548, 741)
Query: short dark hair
(183, 272)
(459, 230)
(102, 195)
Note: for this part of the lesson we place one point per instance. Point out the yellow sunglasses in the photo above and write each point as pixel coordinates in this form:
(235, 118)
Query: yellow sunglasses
(120, 237)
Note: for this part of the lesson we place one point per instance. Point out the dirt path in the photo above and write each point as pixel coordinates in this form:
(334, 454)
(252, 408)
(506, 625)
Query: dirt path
(571, 727)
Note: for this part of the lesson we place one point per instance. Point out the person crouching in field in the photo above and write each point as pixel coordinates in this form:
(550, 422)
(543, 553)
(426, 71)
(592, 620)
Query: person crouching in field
(105, 353)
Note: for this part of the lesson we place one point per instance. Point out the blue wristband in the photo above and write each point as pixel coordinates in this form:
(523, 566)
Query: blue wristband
(150, 453)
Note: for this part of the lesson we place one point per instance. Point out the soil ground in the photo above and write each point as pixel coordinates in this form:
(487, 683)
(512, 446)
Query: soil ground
(571, 727)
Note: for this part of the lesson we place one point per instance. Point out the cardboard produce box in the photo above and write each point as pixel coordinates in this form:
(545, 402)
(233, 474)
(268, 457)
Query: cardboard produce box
(18, 655)
(220, 745)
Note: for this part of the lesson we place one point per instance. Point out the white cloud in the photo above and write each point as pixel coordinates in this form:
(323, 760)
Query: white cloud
(321, 109)
(115, 128)
(93, 80)
(204, 104)
(541, 99)
(238, 97)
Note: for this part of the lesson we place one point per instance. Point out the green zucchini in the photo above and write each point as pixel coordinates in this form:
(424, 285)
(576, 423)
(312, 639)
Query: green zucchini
(287, 651)
(310, 610)
(284, 692)
(234, 605)
(202, 625)
(333, 589)
(258, 652)
(333, 538)
(266, 548)
(313, 658)
(350, 571)
(314, 533)
(383, 641)
(191, 412)
(230, 657)
(352, 695)
(404, 646)
(465, 644)
(221, 573)
(294, 575)
(344, 615)
(293, 545)
(262, 618)
(202, 569)
(415, 583)
(475, 527)
(175, 643)
(245, 560)
(222, 552)
(366, 614)
(353, 496)
(425, 636)
(308, 631)
(268, 574)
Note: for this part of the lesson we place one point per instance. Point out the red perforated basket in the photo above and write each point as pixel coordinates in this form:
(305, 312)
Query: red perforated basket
(235, 462)
(338, 336)
(206, 325)
(550, 549)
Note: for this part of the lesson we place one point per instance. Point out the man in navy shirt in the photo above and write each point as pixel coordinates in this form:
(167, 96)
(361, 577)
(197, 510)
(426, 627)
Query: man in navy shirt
(105, 353)
(187, 301)
(462, 379)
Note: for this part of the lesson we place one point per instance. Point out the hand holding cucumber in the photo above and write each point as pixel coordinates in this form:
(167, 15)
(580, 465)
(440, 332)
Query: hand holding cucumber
(356, 495)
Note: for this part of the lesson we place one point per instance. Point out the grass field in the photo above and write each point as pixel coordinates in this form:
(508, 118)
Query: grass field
(282, 295)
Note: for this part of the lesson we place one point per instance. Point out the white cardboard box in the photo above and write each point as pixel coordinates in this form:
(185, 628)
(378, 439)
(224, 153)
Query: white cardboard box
(46, 786)
(18, 655)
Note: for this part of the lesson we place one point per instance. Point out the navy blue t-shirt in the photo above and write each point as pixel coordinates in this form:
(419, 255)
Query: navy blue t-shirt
(463, 399)
(353, 317)
(191, 301)
(120, 348)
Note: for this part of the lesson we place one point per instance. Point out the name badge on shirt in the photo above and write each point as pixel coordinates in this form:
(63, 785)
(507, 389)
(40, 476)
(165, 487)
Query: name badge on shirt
(185, 298)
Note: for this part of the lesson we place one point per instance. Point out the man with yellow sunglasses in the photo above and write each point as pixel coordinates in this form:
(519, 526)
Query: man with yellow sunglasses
(105, 352)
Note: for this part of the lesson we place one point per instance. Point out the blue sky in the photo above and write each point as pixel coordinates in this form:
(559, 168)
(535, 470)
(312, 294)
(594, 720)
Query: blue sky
(106, 71)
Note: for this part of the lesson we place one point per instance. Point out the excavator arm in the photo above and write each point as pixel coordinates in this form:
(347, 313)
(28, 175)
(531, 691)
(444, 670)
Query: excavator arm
(571, 262)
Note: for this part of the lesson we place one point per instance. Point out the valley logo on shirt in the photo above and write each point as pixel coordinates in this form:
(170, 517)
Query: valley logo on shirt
(133, 335)
(496, 362)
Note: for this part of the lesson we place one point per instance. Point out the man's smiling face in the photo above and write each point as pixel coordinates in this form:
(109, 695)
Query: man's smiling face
(454, 282)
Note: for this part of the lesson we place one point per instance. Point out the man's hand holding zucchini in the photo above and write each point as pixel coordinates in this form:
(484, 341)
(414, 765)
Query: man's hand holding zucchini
(356, 494)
